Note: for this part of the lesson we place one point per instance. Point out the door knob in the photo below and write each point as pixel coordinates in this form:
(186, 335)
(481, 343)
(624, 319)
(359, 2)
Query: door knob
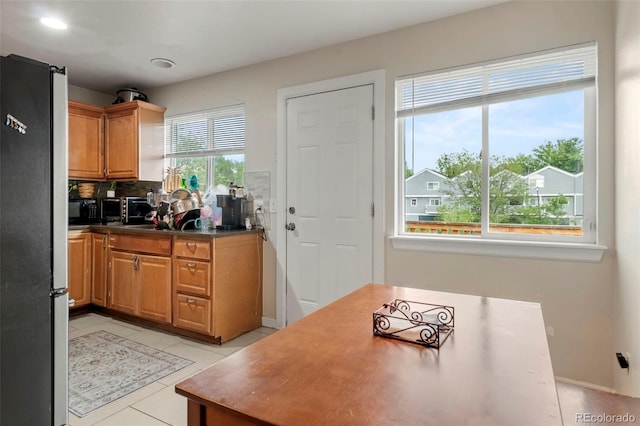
(292, 210)
(290, 226)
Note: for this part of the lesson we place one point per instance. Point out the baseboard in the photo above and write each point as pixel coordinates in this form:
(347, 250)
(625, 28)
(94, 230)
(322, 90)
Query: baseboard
(584, 384)
(269, 322)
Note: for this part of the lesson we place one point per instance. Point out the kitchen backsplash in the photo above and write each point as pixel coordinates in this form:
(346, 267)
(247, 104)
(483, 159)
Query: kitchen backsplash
(123, 189)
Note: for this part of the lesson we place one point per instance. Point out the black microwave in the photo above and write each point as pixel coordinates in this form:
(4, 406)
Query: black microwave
(128, 210)
(83, 211)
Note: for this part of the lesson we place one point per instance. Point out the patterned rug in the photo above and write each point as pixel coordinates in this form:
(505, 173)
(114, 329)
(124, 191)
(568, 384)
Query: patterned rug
(104, 367)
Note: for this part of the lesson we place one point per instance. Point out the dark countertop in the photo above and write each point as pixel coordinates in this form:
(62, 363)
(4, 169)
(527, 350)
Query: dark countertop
(148, 229)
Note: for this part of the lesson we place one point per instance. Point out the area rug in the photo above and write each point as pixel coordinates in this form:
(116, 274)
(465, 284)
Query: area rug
(104, 367)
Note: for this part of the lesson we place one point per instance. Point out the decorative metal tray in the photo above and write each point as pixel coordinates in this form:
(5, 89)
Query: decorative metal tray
(415, 322)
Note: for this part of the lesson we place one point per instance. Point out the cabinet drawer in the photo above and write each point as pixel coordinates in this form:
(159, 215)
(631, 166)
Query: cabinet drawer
(141, 243)
(192, 276)
(195, 248)
(192, 313)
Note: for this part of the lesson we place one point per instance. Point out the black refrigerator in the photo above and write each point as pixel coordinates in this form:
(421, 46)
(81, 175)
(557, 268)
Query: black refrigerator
(33, 243)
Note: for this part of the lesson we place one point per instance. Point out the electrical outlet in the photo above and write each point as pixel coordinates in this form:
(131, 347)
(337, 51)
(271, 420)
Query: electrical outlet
(622, 361)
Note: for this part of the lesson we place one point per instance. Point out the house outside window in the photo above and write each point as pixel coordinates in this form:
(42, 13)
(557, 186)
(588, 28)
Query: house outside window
(513, 143)
(208, 144)
(434, 202)
(414, 201)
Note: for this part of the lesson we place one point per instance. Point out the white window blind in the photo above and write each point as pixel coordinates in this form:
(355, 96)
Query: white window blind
(524, 76)
(220, 131)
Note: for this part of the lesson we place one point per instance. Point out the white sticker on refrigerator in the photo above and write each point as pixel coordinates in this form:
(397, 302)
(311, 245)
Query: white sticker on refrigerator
(16, 124)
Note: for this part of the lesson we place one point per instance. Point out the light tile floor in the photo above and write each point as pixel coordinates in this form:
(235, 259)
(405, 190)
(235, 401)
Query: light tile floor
(156, 404)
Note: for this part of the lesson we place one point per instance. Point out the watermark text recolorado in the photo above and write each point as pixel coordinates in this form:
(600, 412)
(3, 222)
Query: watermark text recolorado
(605, 418)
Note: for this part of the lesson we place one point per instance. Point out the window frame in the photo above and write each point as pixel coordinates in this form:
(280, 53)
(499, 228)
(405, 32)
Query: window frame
(583, 248)
(212, 150)
(435, 186)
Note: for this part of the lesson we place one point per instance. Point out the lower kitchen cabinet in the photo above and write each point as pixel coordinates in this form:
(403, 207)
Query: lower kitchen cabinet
(140, 285)
(198, 285)
(123, 287)
(155, 288)
(79, 268)
(99, 269)
(237, 287)
(217, 284)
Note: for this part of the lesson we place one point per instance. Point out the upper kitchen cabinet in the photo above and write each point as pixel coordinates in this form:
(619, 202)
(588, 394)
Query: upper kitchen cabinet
(134, 137)
(86, 141)
(123, 141)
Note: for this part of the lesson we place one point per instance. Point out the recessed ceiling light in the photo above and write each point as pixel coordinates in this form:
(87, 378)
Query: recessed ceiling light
(53, 23)
(163, 63)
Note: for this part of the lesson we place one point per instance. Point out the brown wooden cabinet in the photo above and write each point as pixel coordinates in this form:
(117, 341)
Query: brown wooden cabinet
(134, 134)
(237, 285)
(99, 269)
(86, 141)
(140, 276)
(79, 269)
(154, 288)
(217, 284)
(203, 285)
(123, 141)
(192, 284)
(123, 287)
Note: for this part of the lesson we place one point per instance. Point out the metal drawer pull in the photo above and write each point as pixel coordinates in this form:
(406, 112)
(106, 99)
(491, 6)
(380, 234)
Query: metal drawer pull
(191, 265)
(190, 244)
(191, 301)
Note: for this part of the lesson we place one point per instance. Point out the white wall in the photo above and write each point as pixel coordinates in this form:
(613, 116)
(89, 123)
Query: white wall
(87, 96)
(627, 295)
(576, 297)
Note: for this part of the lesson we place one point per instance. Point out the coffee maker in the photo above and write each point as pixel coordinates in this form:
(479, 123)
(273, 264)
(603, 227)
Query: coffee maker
(233, 212)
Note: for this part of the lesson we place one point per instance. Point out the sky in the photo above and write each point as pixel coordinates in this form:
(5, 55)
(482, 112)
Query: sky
(514, 127)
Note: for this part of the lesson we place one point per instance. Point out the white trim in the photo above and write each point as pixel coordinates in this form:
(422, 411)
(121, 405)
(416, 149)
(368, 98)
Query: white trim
(584, 384)
(377, 78)
(270, 322)
(504, 248)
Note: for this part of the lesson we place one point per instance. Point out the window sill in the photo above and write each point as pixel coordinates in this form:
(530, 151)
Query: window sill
(521, 249)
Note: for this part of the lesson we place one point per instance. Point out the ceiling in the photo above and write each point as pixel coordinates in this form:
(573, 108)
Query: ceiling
(109, 44)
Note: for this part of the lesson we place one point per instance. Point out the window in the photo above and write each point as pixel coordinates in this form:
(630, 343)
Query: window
(434, 202)
(515, 142)
(209, 145)
(414, 201)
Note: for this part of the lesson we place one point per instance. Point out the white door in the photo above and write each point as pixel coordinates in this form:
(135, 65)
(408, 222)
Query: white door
(329, 197)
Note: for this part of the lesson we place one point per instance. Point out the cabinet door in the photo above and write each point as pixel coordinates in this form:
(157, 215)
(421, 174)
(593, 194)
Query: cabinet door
(155, 288)
(122, 144)
(79, 268)
(123, 288)
(86, 141)
(99, 270)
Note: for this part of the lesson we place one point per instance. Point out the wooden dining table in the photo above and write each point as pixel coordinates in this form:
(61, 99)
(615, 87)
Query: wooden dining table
(330, 369)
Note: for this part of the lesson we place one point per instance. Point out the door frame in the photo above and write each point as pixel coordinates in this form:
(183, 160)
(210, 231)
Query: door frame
(377, 79)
